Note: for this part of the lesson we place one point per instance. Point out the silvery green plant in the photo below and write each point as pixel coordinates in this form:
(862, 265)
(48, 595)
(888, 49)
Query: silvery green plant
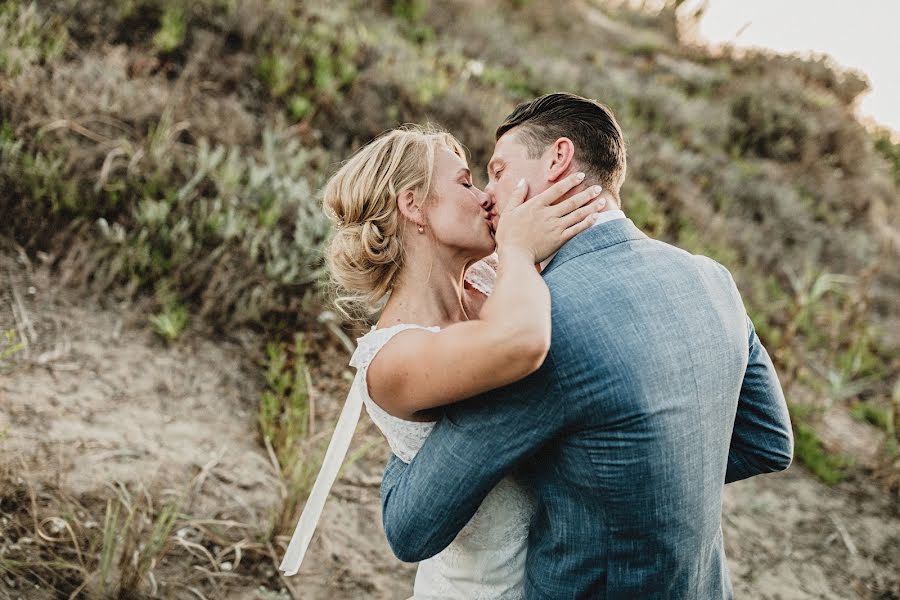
(244, 229)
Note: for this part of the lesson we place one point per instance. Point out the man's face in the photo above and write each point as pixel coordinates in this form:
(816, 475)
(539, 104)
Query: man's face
(507, 166)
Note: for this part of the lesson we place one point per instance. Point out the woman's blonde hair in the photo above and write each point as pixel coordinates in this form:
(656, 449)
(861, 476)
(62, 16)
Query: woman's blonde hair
(366, 253)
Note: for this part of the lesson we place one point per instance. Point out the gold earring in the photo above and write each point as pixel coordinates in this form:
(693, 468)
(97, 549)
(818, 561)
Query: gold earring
(421, 229)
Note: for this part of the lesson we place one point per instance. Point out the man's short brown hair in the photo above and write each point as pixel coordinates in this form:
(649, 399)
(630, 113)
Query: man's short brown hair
(599, 145)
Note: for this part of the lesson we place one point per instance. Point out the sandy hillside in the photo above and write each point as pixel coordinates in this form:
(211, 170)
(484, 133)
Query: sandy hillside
(100, 402)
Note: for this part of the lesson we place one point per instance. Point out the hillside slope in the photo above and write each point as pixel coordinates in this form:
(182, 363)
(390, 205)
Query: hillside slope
(168, 159)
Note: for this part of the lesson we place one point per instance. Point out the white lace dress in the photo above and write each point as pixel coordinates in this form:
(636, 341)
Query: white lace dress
(487, 558)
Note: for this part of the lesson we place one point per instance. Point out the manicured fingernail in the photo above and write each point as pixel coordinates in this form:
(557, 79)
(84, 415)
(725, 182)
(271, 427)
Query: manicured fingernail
(596, 189)
(579, 176)
(601, 203)
(521, 183)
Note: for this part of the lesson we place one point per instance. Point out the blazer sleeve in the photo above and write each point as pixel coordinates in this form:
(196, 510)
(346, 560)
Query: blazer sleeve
(762, 440)
(427, 502)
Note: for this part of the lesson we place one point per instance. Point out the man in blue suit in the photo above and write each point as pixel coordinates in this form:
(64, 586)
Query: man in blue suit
(656, 391)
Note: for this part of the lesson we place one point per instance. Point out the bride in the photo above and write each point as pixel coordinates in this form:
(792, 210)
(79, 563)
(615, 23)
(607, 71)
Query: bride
(412, 229)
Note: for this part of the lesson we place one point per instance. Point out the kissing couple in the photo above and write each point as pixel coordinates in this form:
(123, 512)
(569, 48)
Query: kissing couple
(565, 397)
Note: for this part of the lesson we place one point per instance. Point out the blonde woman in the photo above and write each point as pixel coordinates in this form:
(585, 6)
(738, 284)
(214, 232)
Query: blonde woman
(412, 231)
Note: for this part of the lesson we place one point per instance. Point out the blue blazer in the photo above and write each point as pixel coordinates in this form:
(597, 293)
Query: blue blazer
(656, 392)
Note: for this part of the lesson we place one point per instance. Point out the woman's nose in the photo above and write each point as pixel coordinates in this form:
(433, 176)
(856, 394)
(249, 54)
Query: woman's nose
(486, 201)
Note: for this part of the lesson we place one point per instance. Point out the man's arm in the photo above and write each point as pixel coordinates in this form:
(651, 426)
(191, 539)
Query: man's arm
(426, 503)
(762, 441)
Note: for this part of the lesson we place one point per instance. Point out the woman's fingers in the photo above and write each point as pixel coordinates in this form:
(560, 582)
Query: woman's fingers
(517, 197)
(585, 223)
(585, 212)
(577, 201)
(543, 223)
(558, 189)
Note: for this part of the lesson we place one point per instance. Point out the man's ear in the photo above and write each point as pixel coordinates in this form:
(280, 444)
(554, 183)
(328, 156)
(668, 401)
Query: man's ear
(559, 158)
(408, 203)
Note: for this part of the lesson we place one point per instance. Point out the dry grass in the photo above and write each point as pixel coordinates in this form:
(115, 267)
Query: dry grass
(128, 543)
(285, 419)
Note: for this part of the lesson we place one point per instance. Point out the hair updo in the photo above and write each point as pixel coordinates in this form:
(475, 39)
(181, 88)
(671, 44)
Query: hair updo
(366, 252)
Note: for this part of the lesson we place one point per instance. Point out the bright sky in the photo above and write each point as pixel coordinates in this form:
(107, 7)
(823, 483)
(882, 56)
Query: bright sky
(862, 34)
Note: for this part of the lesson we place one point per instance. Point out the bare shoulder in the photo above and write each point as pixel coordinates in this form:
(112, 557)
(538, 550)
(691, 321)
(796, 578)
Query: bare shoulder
(392, 364)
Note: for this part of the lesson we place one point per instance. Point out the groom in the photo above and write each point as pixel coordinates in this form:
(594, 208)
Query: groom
(655, 392)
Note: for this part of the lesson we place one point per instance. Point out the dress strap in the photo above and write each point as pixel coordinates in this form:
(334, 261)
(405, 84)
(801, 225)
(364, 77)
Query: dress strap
(367, 347)
(369, 344)
(331, 465)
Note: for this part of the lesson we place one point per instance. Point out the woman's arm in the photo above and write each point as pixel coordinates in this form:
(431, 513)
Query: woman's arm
(420, 370)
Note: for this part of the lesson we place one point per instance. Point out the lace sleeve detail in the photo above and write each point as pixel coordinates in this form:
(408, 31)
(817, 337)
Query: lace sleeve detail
(404, 437)
(364, 352)
(368, 345)
(483, 274)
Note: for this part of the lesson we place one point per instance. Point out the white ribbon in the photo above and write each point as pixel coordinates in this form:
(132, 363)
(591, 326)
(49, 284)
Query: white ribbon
(337, 450)
(331, 465)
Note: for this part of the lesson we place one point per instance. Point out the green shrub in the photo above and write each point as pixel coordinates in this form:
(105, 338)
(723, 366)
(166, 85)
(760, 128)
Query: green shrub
(694, 241)
(36, 190)
(283, 419)
(172, 29)
(170, 323)
(238, 234)
(9, 345)
(514, 81)
(767, 124)
(256, 214)
(890, 150)
(410, 11)
(644, 210)
(873, 414)
(309, 62)
(28, 37)
(808, 449)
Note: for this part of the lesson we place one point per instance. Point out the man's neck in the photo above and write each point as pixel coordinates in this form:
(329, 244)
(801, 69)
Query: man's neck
(605, 217)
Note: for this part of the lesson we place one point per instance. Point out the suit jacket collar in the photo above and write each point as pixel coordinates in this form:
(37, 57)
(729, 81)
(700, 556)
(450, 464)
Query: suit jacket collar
(596, 238)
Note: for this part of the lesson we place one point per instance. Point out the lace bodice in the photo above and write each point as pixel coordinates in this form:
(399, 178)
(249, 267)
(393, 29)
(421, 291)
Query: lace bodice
(404, 437)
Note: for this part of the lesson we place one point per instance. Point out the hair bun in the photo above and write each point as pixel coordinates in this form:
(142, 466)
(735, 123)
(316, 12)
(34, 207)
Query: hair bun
(366, 252)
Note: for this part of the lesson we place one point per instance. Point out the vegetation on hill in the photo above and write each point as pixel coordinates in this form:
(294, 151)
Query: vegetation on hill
(171, 153)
